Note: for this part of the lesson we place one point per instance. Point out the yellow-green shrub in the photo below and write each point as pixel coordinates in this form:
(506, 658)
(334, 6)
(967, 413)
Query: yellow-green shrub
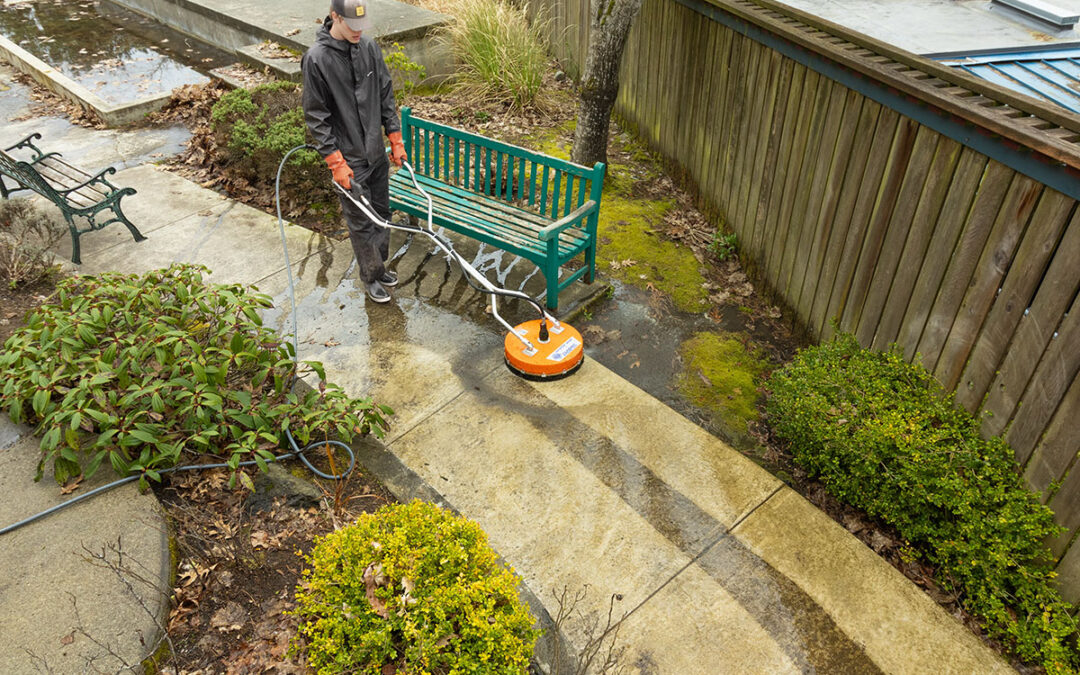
(414, 586)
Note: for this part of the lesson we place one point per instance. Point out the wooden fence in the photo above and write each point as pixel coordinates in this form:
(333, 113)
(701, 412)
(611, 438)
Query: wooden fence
(901, 200)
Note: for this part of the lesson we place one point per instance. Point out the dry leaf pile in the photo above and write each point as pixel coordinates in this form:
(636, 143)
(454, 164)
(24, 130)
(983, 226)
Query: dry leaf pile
(45, 103)
(238, 567)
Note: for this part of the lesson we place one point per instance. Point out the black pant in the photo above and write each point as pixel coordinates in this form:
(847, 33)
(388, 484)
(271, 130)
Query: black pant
(370, 242)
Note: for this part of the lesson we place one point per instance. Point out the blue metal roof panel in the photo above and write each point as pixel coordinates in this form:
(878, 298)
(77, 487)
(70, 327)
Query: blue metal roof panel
(1050, 75)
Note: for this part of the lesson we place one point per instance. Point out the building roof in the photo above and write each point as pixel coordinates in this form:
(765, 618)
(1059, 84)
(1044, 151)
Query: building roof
(1050, 74)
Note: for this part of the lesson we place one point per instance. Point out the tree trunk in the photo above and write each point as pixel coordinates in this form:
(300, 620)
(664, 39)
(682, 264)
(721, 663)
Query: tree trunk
(600, 82)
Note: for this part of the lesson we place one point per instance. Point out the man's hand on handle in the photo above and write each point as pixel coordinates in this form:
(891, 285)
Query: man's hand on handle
(342, 173)
(397, 148)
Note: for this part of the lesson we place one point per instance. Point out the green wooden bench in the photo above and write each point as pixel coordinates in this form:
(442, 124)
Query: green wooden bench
(538, 207)
(74, 191)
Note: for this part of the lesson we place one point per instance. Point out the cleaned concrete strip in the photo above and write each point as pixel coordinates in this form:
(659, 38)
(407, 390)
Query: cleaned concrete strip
(718, 479)
(495, 456)
(898, 625)
(52, 589)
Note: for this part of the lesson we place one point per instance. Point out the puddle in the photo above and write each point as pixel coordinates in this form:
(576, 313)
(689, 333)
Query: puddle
(118, 55)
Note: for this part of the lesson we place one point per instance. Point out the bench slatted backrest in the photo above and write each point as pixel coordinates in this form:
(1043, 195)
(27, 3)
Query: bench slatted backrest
(28, 177)
(528, 180)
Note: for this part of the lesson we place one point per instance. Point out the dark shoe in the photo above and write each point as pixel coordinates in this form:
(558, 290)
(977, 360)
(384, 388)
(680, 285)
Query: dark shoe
(376, 292)
(388, 278)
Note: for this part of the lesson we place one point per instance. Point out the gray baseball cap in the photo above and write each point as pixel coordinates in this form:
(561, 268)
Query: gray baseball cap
(355, 13)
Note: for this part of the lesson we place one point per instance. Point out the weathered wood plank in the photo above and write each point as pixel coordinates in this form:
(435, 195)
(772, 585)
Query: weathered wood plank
(861, 140)
(1055, 458)
(814, 97)
(880, 148)
(1015, 212)
(734, 144)
(956, 210)
(1052, 378)
(771, 173)
(1037, 326)
(760, 178)
(963, 260)
(1014, 295)
(832, 159)
(897, 226)
(772, 231)
(761, 84)
(878, 226)
(924, 223)
(800, 234)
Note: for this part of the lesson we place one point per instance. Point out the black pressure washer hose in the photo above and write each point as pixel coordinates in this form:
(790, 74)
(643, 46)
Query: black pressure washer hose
(296, 450)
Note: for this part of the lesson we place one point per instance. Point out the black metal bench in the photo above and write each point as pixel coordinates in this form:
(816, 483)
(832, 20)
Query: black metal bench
(74, 191)
(541, 208)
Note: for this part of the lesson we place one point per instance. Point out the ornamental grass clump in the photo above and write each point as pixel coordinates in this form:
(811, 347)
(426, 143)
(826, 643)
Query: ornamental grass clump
(882, 435)
(145, 371)
(411, 589)
(503, 55)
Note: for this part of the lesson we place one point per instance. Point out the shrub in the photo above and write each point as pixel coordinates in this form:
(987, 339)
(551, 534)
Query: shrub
(504, 57)
(882, 435)
(139, 370)
(724, 247)
(253, 129)
(413, 586)
(406, 73)
(26, 234)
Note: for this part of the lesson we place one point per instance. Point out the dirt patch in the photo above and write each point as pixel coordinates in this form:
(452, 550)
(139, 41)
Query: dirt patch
(17, 303)
(238, 564)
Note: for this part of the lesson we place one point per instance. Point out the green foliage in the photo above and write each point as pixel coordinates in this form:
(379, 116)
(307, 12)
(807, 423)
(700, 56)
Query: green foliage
(504, 56)
(139, 370)
(253, 129)
(724, 247)
(882, 435)
(405, 72)
(414, 586)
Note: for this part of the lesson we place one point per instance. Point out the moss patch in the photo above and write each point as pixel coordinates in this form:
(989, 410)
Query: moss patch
(721, 375)
(629, 229)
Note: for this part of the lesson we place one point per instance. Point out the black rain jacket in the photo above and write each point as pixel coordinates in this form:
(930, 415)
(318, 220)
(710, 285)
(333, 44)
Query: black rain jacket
(348, 95)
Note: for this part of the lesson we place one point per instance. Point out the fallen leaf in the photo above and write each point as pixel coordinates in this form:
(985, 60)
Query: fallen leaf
(371, 573)
(68, 639)
(72, 485)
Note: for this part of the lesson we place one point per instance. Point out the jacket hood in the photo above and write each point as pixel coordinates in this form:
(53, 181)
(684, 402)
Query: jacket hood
(322, 36)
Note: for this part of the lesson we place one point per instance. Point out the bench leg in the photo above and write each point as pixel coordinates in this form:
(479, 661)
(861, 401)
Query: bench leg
(75, 258)
(138, 236)
(3, 188)
(590, 263)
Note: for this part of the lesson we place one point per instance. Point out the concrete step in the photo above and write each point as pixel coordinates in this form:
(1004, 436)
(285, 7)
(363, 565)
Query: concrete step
(284, 67)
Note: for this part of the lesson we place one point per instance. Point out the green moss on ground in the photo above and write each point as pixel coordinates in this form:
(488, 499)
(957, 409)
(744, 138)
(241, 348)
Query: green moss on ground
(721, 374)
(629, 230)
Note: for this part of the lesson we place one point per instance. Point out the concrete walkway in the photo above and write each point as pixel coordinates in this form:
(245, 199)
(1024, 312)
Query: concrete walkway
(586, 483)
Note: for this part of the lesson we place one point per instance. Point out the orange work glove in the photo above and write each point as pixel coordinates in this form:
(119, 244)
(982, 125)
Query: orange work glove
(397, 148)
(342, 173)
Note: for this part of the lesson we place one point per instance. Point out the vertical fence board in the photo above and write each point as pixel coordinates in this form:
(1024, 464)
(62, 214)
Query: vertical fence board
(970, 172)
(861, 139)
(757, 86)
(759, 139)
(771, 232)
(939, 179)
(1015, 212)
(995, 184)
(877, 158)
(1036, 329)
(1054, 375)
(1014, 296)
(896, 227)
(771, 174)
(740, 81)
(832, 158)
(878, 226)
(1053, 457)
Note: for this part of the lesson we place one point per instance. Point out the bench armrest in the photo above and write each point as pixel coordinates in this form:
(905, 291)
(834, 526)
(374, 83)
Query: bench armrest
(28, 142)
(552, 231)
(98, 178)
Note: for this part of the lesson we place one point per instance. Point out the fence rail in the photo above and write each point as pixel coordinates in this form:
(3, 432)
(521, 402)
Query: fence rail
(900, 199)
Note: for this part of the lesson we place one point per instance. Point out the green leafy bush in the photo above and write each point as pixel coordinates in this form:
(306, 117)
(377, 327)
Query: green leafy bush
(882, 435)
(406, 73)
(253, 129)
(139, 370)
(724, 247)
(413, 586)
(503, 55)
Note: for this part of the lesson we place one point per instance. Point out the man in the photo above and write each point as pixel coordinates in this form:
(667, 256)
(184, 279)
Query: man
(348, 101)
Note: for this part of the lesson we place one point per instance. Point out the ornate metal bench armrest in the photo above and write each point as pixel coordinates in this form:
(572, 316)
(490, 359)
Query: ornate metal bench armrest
(28, 142)
(98, 178)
